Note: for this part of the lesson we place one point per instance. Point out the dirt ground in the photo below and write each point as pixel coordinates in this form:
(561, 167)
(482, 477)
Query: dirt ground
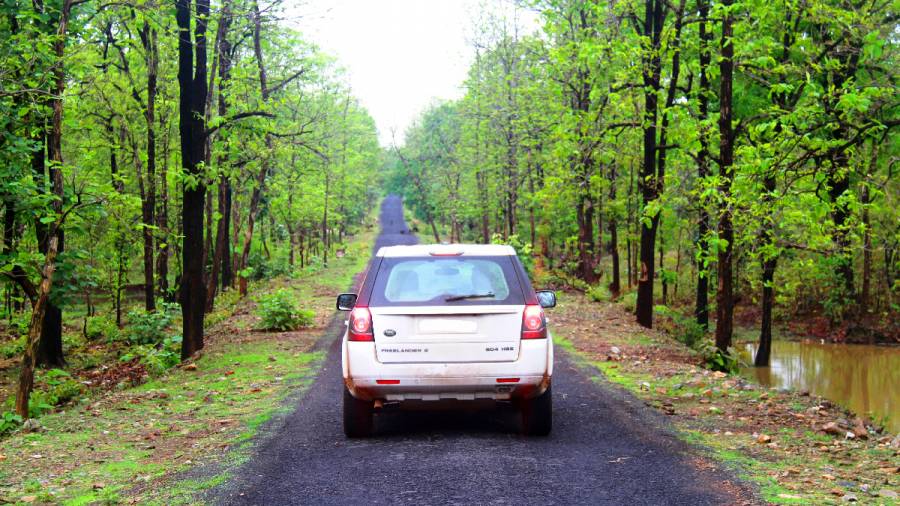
(797, 448)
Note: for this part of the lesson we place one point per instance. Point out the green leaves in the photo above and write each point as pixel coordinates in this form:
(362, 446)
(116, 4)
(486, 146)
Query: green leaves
(278, 311)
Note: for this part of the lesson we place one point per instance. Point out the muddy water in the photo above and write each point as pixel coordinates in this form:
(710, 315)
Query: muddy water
(865, 379)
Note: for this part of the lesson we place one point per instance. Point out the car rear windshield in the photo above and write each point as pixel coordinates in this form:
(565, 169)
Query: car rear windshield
(438, 281)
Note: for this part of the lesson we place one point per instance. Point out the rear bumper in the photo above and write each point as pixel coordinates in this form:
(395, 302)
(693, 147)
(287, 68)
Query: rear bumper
(368, 379)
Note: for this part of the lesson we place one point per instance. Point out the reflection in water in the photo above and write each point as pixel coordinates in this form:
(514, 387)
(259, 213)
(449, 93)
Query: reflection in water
(865, 379)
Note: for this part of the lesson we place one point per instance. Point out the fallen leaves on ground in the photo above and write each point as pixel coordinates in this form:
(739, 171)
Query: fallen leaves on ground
(784, 440)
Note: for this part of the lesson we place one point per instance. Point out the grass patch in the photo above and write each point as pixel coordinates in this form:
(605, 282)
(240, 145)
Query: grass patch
(138, 443)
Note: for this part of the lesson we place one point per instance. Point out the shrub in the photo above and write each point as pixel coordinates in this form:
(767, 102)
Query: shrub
(61, 387)
(98, 327)
(313, 266)
(629, 301)
(266, 268)
(19, 322)
(161, 359)
(683, 328)
(279, 312)
(40, 402)
(599, 293)
(157, 359)
(13, 348)
(9, 422)
(66, 391)
(550, 280)
(716, 360)
(150, 328)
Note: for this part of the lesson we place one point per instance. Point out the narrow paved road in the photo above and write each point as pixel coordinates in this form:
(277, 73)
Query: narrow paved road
(606, 448)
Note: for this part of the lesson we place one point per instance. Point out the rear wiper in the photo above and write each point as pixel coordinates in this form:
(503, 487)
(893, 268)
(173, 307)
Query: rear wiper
(469, 296)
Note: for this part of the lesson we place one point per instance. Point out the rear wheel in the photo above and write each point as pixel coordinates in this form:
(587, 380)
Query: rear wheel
(358, 416)
(537, 414)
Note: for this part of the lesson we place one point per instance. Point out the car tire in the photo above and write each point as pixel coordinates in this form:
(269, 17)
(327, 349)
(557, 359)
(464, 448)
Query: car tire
(537, 414)
(358, 416)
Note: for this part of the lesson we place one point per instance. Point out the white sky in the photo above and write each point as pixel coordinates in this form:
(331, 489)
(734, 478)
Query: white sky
(400, 55)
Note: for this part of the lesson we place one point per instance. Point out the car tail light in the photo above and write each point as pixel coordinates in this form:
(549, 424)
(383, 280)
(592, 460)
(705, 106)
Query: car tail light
(360, 325)
(534, 325)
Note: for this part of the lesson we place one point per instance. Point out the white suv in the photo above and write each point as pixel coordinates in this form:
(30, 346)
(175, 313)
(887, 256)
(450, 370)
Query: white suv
(447, 322)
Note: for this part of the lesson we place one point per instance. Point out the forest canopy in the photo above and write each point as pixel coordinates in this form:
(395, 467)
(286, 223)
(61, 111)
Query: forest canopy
(168, 153)
(703, 155)
(726, 159)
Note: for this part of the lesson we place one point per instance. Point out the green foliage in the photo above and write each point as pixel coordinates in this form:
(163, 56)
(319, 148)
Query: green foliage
(61, 387)
(101, 326)
(150, 327)
(523, 249)
(629, 301)
(716, 360)
(599, 293)
(278, 311)
(18, 323)
(262, 267)
(548, 143)
(9, 422)
(157, 359)
(13, 348)
(683, 328)
(55, 387)
(41, 402)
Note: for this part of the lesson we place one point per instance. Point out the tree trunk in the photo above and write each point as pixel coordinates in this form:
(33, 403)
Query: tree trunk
(148, 203)
(701, 306)
(665, 284)
(481, 179)
(325, 219)
(50, 351)
(264, 169)
(209, 234)
(120, 279)
(223, 50)
(585, 215)
(629, 220)
(54, 237)
(867, 248)
(612, 247)
(192, 82)
(839, 183)
(724, 294)
(769, 262)
(219, 251)
(768, 299)
(653, 20)
(162, 223)
(227, 271)
(26, 375)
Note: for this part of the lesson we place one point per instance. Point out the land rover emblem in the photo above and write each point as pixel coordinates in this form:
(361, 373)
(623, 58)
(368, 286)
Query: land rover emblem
(390, 332)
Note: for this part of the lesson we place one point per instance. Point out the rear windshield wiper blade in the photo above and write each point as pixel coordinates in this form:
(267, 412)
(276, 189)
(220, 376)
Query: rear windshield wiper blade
(470, 296)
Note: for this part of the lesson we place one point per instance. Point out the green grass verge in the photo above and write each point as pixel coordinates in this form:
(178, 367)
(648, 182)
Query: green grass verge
(178, 435)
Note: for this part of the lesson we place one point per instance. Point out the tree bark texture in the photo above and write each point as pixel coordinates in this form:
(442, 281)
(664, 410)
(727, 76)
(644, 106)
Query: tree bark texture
(725, 292)
(192, 80)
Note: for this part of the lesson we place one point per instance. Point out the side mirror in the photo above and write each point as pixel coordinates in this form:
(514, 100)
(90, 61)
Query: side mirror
(546, 298)
(346, 301)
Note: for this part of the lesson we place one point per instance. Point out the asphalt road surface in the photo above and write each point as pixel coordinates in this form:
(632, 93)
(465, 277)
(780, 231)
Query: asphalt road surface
(606, 448)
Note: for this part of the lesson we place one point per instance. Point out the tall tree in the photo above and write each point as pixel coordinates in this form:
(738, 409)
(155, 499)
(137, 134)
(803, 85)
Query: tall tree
(193, 86)
(54, 234)
(725, 240)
